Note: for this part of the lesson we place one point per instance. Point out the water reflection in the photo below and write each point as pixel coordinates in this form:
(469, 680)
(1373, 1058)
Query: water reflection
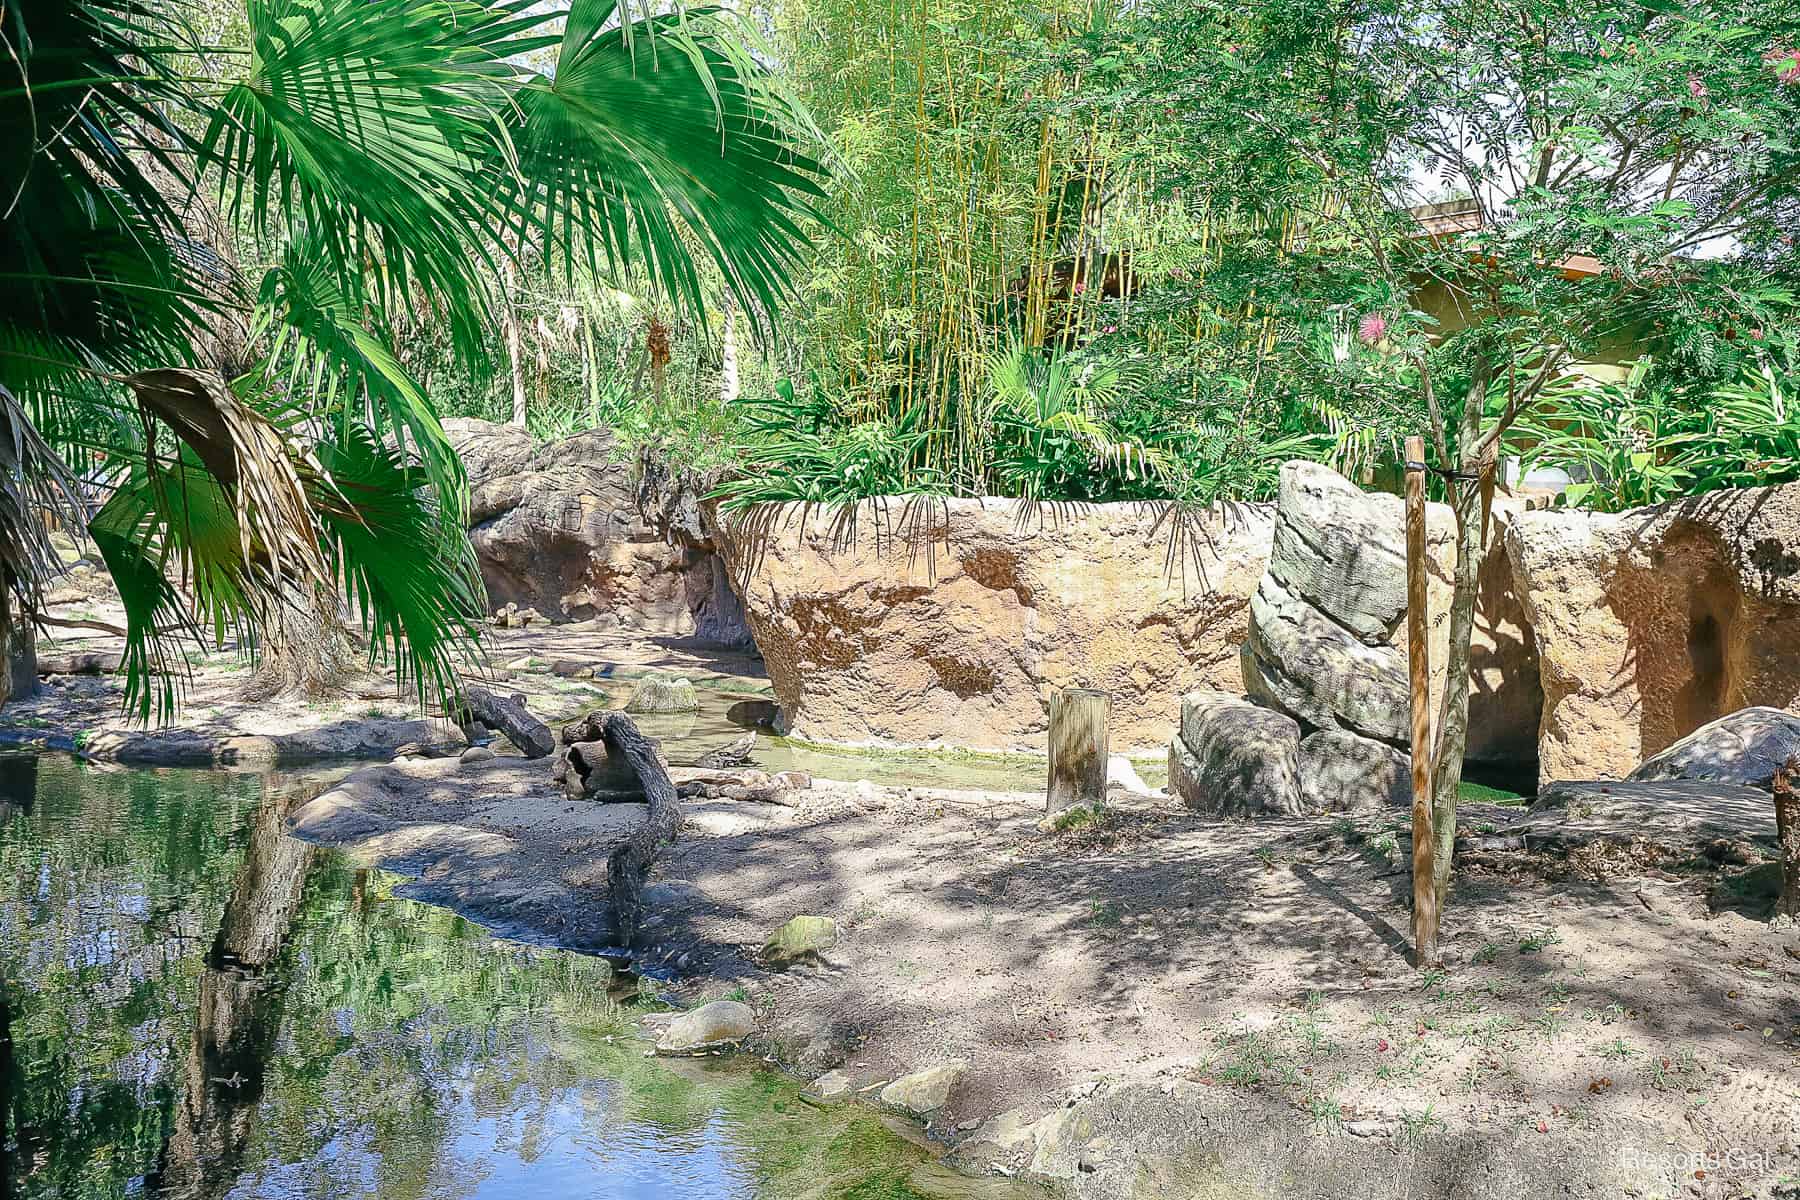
(194, 1006)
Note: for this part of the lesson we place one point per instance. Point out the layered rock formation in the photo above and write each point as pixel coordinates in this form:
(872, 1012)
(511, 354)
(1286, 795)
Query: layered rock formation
(1327, 636)
(558, 528)
(1235, 758)
(932, 622)
(1653, 622)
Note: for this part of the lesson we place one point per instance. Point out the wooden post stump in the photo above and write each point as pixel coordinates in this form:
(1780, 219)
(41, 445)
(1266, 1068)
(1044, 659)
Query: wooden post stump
(1424, 854)
(1787, 835)
(1078, 748)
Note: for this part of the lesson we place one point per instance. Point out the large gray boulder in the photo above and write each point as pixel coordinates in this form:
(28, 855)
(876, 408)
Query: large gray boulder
(1327, 638)
(1341, 772)
(1746, 747)
(1235, 758)
(559, 528)
(1300, 660)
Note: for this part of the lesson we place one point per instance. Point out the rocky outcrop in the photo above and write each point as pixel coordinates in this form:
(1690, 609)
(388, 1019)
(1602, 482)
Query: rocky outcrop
(1235, 758)
(559, 528)
(1327, 637)
(1745, 748)
(1653, 622)
(1341, 772)
(933, 622)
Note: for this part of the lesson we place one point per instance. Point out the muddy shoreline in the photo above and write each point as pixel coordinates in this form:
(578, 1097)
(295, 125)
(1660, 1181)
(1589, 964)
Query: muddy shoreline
(1168, 1001)
(1157, 1004)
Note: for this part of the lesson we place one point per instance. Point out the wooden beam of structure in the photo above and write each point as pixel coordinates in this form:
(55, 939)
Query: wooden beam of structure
(1424, 854)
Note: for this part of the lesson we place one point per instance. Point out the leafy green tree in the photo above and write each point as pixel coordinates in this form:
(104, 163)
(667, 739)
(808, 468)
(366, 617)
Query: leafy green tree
(1628, 166)
(260, 448)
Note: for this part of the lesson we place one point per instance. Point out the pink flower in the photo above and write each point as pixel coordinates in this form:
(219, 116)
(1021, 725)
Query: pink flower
(1786, 63)
(1372, 328)
(1112, 329)
(1080, 286)
(1697, 88)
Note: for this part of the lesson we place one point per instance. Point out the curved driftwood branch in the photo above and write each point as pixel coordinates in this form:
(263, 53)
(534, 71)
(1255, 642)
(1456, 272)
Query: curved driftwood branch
(629, 863)
(509, 715)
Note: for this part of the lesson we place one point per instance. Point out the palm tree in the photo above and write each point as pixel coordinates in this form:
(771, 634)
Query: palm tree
(260, 455)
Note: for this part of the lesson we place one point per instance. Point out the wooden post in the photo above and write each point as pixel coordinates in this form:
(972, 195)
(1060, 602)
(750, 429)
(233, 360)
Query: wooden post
(1787, 836)
(1078, 748)
(1425, 897)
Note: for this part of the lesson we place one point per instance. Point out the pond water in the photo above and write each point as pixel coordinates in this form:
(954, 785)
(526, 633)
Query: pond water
(724, 717)
(193, 1004)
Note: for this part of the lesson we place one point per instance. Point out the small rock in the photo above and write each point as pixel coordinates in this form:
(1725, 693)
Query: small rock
(794, 781)
(1369, 1128)
(660, 694)
(803, 939)
(832, 1085)
(924, 1092)
(477, 754)
(717, 1024)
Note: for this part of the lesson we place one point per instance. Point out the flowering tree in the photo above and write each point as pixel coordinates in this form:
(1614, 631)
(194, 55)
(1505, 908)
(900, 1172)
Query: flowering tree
(1624, 171)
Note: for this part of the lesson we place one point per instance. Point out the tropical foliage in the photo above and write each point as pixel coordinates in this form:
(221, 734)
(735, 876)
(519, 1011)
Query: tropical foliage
(257, 445)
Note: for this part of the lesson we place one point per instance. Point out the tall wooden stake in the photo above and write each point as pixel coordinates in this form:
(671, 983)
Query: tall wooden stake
(1078, 748)
(1787, 837)
(1425, 897)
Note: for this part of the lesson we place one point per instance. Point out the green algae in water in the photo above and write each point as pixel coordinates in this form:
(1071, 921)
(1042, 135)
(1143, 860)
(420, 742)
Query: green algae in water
(199, 1006)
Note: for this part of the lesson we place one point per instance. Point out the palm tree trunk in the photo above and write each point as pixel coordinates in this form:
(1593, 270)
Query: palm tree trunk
(515, 349)
(18, 648)
(306, 650)
(728, 355)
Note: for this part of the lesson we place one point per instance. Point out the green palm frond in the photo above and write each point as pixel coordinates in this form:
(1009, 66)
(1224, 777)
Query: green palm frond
(88, 240)
(323, 353)
(364, 120)
(656, 127)
(422, 608)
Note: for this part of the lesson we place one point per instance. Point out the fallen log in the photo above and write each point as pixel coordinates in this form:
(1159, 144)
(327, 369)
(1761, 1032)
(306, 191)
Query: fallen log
(80, 662)
(704, 784)
(588, 771)
(509, 715)
(629, 863)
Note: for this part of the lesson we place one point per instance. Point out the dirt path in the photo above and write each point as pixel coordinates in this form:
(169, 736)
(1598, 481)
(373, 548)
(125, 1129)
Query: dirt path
(1159, 1005)
(1229, 967)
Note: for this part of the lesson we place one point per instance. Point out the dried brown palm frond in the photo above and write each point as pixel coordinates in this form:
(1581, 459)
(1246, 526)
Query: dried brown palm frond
(37, 492)
(252, 464)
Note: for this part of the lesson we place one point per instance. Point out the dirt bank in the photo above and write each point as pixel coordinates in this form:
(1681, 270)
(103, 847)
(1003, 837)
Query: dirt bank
(1126, 996)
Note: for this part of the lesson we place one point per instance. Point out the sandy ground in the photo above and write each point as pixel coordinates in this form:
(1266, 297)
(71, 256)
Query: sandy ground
(1161, 1004)
(1589, 1002)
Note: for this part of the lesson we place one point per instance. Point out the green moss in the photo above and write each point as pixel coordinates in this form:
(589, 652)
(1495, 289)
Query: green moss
(1481, 793)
